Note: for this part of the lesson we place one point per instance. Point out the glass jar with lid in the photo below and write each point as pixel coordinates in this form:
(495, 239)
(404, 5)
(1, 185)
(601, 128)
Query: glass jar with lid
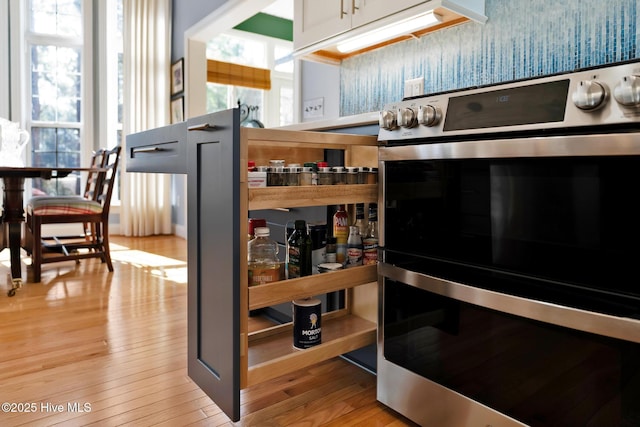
(325, 174)
(339, 175)
(306, 175)
(351, 175)
(293, 177)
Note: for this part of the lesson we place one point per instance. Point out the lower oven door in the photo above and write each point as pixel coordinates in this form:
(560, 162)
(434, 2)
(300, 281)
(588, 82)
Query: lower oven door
(454, 355)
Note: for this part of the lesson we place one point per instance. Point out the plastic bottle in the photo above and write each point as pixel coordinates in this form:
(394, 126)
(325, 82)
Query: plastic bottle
(253, 224)
(370, 240)
(299, 264)
(341, 233)
(354, 247)
(262, 258)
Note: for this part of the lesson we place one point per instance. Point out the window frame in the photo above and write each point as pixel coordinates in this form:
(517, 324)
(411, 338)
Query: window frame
(84, 43)
(279, 79)
(98, 124)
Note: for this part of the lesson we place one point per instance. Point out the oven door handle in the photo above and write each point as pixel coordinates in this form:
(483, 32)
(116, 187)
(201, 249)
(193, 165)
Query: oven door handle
(574, 318)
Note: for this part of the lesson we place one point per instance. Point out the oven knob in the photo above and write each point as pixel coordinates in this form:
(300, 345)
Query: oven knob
(589, 95)
(429, 115)
(387, 120)
(627, 91)
(407, 117)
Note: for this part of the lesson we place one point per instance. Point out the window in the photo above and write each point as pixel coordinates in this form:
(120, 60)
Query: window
(275, 106)
(66, 115)
(55, 45)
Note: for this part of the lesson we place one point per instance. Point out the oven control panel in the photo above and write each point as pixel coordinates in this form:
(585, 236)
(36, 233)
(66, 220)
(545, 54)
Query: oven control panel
(608, 95)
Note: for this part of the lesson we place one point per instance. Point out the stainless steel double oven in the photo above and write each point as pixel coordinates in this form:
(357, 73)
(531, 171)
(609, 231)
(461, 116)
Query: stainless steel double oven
(510, 253)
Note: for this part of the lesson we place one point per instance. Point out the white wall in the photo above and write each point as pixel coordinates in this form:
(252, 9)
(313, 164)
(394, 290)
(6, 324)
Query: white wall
(320, 81)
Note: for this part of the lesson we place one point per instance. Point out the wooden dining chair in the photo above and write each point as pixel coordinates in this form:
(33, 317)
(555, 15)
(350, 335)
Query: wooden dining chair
(91, 210)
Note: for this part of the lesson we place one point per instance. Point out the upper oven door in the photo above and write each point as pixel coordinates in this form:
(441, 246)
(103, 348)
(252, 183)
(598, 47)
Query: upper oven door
(552, 219)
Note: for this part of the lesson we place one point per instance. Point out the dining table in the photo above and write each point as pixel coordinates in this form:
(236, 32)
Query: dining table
(13, 211)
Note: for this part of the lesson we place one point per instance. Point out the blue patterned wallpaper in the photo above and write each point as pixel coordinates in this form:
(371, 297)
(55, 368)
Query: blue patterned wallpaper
(521, 39)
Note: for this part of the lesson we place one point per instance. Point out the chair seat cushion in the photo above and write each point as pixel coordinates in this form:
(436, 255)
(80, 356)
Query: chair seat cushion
(63, 205)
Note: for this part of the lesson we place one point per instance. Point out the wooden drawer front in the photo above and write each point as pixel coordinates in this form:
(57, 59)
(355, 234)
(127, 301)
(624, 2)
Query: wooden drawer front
(161, 150)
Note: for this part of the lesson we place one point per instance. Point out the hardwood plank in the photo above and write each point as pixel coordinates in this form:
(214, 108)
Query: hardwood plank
(117, 341)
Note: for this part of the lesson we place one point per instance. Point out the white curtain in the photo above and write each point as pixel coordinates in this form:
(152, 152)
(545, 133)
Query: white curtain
(146, 198)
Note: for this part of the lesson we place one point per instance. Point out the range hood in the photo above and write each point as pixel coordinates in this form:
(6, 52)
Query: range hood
(435, 15)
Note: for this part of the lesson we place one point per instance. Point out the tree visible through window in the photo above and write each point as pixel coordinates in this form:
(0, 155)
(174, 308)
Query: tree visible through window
(55, 43)
(59, 38)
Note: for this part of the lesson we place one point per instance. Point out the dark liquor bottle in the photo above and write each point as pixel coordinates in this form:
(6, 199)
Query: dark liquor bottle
(299, 251)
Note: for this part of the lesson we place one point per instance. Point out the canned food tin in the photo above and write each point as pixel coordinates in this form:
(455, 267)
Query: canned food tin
(307, 331)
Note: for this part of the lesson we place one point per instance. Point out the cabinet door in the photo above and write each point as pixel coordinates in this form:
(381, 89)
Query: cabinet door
(372, 10)
(316, 20)
(213, 243)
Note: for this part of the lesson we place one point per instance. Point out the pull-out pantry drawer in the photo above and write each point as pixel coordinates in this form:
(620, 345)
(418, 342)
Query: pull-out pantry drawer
(160, 150)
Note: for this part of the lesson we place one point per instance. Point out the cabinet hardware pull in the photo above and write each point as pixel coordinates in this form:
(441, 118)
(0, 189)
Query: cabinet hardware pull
(354, 7)
(202, 126)
(342, 12)
(147, 150)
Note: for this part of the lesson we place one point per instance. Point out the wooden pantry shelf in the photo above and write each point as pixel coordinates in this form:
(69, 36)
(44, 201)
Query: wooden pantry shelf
(287, 290)
(311, 195)
(274, 355)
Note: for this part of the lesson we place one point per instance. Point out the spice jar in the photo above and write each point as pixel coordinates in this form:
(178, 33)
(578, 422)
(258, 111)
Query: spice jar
(372, 176)
(306, 175)
(275, 176)
(339, 175)
(293, 177)
(352, 175)
(325, 175)
(314, 172)
(275, 173)
(362, 175)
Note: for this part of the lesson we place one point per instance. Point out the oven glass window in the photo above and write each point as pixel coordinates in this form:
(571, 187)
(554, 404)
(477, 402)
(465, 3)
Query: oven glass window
(555, 223)
(538, 103)
(537, 373)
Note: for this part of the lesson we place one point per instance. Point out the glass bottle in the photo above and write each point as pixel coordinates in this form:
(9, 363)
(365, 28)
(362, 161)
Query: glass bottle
(370, 240)
(354, 247)
(360, 222)
(300, 248)
(330, 254)
(262, 258)
(341, 233)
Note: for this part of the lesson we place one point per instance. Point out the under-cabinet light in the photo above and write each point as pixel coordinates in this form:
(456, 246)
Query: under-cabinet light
(390, 31)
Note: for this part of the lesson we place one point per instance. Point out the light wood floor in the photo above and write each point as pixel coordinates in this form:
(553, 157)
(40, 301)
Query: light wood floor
(114, 345)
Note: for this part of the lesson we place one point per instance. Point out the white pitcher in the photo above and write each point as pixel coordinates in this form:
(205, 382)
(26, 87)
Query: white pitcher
(13, 140)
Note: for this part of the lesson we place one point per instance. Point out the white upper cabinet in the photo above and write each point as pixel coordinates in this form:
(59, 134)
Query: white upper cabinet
(365, 11)
(315, 20)
(319, 25)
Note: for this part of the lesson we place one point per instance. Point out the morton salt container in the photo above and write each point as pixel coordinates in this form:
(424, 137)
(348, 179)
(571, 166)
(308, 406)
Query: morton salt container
(307, 331)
